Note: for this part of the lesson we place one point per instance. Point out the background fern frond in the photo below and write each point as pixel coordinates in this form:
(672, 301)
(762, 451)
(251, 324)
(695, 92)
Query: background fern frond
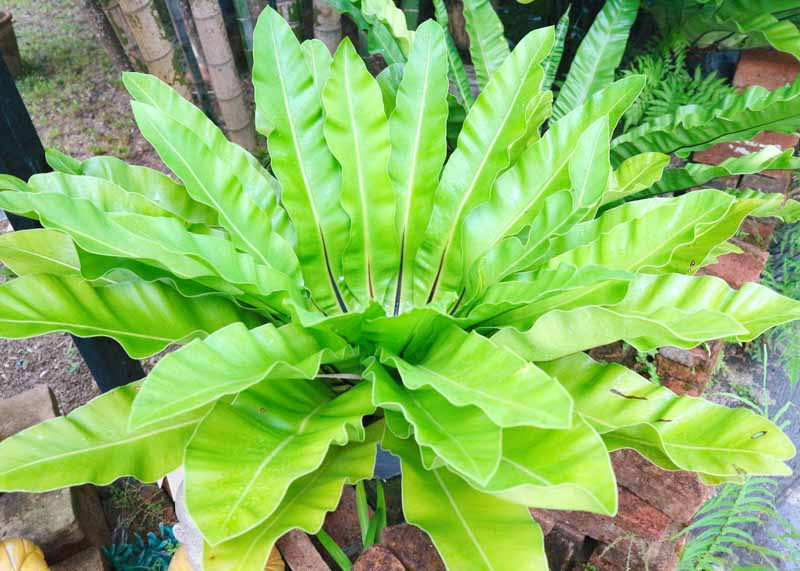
(670, 83)
(721, 526)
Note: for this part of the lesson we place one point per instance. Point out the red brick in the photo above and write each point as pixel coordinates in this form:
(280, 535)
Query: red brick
(564, 548)
(300, 553)
(765, 67)
(723, 182)
(768, 138)
(721, 151)
(634, 516)
(544, 519)
(678, 494)
(632, 553)
(768, 181)
(686, 371)
(342, 524)
(413, 547)
(378, 558)
(760, 229)
(738, 269)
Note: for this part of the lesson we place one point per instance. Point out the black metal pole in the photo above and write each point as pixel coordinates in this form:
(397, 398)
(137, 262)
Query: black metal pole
(22, 155)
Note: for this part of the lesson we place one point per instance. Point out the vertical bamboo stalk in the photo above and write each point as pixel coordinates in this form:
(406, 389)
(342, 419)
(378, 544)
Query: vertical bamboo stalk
(256, 6)
(222, 71)
(194, 38)
(158, 53)
(181, 22)
(327, 24)
(457, 24)
(246, 24)
(122, 31)
(291, 10)
(411, 10)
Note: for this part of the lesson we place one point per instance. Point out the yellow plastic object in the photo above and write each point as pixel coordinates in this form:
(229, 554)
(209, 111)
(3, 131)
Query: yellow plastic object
(18, 554)
(275, 561)
(181, 563)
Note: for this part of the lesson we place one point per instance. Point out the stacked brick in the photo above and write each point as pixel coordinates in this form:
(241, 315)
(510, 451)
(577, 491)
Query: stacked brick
(69, 525)
(654, 504)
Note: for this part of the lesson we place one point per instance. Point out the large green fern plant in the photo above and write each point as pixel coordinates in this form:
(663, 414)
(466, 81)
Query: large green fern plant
(376, 290)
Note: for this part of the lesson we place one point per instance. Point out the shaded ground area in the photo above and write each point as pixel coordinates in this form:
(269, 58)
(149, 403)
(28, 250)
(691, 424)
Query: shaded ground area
(741, 377)
(72, 87)
(71, 84)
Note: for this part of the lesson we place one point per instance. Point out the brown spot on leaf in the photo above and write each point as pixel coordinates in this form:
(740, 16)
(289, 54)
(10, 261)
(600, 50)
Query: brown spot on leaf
(623, 395)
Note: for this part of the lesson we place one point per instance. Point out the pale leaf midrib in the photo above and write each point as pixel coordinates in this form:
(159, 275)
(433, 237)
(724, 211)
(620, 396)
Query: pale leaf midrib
(116, 443)
(210, 195)
(301, 427)
(301, 165)
(463, 521)
(470, 388)
(109, 331)
(445, 432)
(448, 238)
(362, 187)
(410, 185)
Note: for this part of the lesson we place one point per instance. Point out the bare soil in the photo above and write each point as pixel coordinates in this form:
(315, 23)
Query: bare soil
(71, 85)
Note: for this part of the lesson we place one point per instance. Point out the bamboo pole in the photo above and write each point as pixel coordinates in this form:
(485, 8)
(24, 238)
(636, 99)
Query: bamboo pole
(194, 38)
(116, 19)
(411, 10)
(246, 25)
(158, 53)
(256, 7)
(181, 22)
(457, 24)
(327, 24)
(292, 10)
(222, 71)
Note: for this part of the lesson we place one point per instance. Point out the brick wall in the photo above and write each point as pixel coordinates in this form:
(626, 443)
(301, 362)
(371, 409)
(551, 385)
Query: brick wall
(655, 504)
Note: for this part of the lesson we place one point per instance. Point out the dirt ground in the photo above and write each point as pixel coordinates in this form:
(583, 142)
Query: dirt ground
(71, 85)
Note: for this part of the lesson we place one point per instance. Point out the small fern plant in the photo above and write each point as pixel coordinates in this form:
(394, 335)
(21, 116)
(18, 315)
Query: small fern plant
(670, 85)
(723, 527)
(372, 289)
(725, 523)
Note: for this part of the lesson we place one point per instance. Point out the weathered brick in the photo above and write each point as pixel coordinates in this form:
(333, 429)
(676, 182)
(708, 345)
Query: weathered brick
(771, 138)
(544, 519)
(677, 494)
(634, 516)
(26, 409)
(564, 547)
(413, 547)
(768, 181)
(738, 269)
(759, 230)
(715, 154)
(723, 182)
(299, 553)
(378, 558)
(87, 560)
(765, 67)
(634, 553)
(62, 522)
(687, 371)
(342, 523)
